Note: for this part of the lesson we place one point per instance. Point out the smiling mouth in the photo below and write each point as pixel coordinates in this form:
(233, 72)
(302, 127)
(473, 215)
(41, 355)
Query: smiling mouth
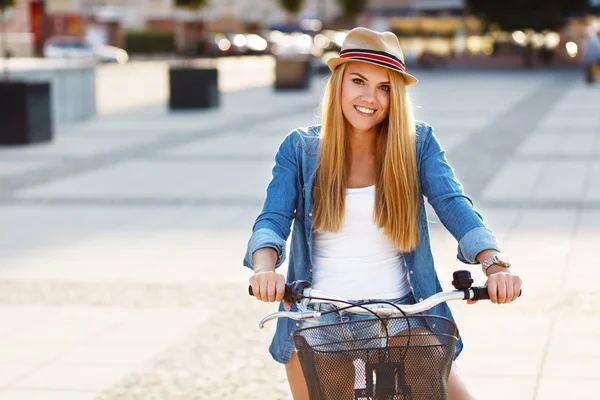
(364, 110)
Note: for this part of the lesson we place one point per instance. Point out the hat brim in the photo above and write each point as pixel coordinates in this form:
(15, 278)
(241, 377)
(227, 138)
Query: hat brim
(334, 62)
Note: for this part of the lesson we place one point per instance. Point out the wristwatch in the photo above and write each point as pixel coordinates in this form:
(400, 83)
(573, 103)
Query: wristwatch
(498, 259)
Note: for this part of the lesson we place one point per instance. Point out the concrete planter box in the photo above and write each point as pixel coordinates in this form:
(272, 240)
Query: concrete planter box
(191, 87)
(72, 84)
(25, 112)
(292, 73)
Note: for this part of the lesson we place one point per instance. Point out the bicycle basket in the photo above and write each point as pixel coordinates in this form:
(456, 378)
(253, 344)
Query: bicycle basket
(378, 359)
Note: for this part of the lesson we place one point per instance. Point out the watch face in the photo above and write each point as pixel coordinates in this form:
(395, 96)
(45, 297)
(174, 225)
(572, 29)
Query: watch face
(502, 258)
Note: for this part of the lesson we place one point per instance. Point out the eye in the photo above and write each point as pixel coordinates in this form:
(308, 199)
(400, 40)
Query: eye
(358, 81)
(385, 87)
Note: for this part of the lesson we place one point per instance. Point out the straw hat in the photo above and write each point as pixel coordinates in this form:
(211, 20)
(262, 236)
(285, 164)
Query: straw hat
(382, 49)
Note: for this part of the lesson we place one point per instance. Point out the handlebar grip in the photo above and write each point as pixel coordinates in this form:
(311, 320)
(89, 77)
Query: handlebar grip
(293, 291)
(481, 293)
(287, 296)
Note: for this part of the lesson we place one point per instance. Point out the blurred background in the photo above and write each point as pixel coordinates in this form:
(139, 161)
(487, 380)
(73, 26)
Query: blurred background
(137, 139)
(431, 31)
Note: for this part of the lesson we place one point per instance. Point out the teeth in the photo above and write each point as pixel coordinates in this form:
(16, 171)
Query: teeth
(365, 110)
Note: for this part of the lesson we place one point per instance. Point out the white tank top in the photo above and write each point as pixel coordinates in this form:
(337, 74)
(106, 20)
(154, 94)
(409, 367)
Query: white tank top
(359, 262)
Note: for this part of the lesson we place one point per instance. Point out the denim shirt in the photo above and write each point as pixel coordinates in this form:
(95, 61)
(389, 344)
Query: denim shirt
(289, 198)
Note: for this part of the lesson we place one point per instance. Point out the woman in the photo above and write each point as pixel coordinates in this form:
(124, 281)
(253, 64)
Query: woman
(354, 187)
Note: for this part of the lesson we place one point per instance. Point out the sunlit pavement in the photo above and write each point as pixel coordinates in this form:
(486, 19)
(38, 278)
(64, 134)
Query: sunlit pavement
(121, 276)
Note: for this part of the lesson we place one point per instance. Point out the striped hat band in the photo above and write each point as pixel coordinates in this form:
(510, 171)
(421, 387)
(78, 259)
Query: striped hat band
(378, 57)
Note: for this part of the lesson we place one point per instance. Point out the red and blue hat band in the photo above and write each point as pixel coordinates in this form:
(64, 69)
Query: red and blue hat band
(378, 57)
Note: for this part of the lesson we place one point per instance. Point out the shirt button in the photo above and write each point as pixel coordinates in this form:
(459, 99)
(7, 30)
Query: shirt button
(310, 214)
(297, 323)
(310, 270)
(433, 326)
(412, 272)
(421, 299)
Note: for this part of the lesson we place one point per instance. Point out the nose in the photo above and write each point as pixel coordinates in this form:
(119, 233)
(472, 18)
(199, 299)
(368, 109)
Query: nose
(368, 94)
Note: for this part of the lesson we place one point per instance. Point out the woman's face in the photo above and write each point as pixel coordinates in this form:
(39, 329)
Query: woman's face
(365, 95)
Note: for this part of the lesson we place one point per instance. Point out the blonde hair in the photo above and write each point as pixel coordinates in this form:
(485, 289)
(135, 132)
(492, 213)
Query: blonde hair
(396, 195)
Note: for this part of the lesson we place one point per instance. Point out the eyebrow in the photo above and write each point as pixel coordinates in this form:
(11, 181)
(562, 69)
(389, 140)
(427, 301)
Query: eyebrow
(356, 73)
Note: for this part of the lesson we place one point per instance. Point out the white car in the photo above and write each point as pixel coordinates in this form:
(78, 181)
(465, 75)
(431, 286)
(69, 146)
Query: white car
(77, 47)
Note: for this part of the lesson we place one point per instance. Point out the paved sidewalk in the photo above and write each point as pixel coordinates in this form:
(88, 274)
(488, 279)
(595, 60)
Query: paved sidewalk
(120, 270)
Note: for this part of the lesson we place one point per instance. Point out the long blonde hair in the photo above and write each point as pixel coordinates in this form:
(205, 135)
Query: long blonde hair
(396, 195)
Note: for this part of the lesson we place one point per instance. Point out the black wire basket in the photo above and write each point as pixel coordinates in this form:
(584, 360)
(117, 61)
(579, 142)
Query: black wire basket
(395, 358)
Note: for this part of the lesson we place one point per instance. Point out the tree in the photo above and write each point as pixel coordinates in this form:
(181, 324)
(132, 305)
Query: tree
(4, 6)
(190, 5)
(352, 9)
(291, 6)
(536, 15)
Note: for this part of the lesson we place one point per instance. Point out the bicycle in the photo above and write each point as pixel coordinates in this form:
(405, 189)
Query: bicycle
(405, 357)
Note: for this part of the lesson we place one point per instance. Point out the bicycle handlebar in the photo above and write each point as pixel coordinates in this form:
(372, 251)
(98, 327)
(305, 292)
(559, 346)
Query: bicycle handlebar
(292, 294)
(297, 291)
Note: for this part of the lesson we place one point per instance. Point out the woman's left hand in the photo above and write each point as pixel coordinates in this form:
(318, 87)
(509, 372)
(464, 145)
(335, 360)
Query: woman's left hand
(503, 287)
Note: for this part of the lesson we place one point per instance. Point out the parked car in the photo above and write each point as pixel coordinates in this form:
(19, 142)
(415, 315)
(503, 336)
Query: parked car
(79, 47)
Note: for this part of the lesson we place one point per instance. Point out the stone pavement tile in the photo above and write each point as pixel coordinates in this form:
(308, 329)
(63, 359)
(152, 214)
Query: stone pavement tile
(596, 149)
(81, 377)
(589, 221)
(30, 352)
(281, 126)
(548, 222)
(241, 145)
(14, 166)
(501, 335)
(195, 256)
(26, 394)
(514, 182)
(167, 180)
(592, 193)
(576, 336)
(470, 124)
(562, 180)
(568, 368)
(152, 327)
(52, 332)
(582, 269)
(73, 146)
(64, 315)
(10, 371)
(450, 142)
(98, 353)
(574, 388)
(497, 219)
(567, 122)
(555, 145)
(223, 358)
(164, 244)
(511, 387)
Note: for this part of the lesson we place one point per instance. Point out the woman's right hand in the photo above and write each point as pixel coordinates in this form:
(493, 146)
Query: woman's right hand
(269, 286)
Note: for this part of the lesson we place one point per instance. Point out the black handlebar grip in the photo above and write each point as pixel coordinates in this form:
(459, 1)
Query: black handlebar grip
(481, 293)
(287, 296)
(293, 291)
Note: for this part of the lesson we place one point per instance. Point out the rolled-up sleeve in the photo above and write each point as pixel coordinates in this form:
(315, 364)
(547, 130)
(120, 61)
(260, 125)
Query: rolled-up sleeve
(273, 225)
(455, 210)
